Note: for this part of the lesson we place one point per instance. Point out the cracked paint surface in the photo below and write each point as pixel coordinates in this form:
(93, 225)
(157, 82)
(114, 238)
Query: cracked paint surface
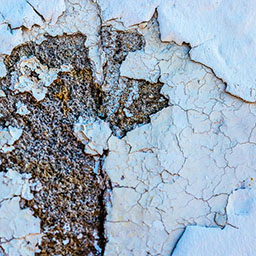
(70, 204)
(225, 46)
(237, 238)
(34, 78)
(51, 91)
(180, 169)
(8, 136)
(21, 233)
(90, 92)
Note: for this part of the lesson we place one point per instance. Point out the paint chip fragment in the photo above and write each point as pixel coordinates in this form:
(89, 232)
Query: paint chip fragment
(94, 134)
(21, 235)
(8, 136)
(35, 77)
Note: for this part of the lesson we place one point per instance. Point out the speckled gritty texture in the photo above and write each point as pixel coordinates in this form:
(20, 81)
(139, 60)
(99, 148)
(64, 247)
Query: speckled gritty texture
(71, 203)
(127, 102)
(123, 140)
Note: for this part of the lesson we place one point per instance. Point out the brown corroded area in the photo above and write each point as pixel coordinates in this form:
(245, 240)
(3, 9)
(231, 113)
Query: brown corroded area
(126, 102)
(71, 202)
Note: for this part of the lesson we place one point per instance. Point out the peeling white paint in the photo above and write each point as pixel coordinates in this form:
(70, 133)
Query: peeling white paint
(26, 13)
(36, 85)
(22, 109)
(224, 46)
(221, 34)
(49, 10)
(180, 169)
(59, 17)
(94, 134)
(8, 136)
(238, 238)
(129, 12)
(18, 13)
(15, 15)
(21, 232)
(9, 39)
(151, 62)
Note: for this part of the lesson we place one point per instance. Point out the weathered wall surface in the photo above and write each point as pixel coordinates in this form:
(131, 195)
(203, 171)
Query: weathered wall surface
(127, 127)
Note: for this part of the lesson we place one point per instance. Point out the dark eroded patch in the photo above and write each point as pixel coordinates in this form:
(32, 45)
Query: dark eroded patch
(126, 102)
(71, 203)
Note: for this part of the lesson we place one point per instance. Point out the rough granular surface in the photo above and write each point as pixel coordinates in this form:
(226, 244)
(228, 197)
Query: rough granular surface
(71, 202)
(127, 102)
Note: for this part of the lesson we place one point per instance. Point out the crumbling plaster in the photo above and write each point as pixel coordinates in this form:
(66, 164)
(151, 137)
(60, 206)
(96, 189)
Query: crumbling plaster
(237, 238)
(182, 168)
(20, 230)
(221, 34)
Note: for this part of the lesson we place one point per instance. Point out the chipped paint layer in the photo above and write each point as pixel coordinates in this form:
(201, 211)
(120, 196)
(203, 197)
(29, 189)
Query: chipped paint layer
(21, 233)
(8, 136)
(180, 169)
(94, 134)
(237, 238)
(34, 77)
(70, 203)
(91, 90)
(22, 109)
(227, 46)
